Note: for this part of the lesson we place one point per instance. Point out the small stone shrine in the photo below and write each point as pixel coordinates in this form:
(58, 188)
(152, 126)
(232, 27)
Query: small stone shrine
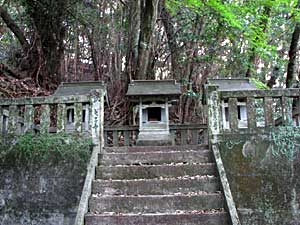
(75, 89)
(153, 98)
(233, 84)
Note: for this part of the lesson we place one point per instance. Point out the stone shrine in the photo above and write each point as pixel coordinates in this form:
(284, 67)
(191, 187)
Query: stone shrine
(153, 98)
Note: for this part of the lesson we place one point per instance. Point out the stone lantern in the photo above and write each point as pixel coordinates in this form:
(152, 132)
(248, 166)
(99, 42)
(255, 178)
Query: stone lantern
(153, 98)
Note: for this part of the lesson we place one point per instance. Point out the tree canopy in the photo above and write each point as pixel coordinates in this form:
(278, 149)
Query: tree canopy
(45, 42)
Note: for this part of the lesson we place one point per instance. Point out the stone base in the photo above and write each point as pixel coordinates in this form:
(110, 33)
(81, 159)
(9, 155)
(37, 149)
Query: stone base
(154, 139)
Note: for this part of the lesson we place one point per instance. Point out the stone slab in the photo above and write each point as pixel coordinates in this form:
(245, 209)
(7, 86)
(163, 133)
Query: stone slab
(156, 148)
(155, 171)
(155, 203)
(160, 219)
(156, 187)
(156, 157)
(154, 138)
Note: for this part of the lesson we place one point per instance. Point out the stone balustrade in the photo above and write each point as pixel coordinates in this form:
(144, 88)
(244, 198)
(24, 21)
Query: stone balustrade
(240, 124)
(184, 134)
(77, 113)
(252, 110)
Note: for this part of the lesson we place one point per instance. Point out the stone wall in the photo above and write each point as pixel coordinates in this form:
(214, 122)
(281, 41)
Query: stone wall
(40, 194)
(265, 187)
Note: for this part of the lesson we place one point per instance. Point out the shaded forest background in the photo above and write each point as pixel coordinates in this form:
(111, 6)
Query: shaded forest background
(45, 42)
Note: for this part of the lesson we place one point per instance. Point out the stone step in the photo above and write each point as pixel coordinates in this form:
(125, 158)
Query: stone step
(156, 148)
(155, 203)
(156, 186)
(154, 171)
(155, 157)
(194, 218)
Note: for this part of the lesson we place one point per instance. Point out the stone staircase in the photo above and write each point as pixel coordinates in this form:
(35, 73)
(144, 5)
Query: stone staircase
(170, 185)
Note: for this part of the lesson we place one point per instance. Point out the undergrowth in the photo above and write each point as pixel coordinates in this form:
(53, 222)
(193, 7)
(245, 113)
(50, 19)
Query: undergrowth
(32, 148)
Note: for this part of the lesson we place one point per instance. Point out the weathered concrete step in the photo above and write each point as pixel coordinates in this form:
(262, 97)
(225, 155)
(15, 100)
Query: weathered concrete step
(155, 157)
(154, 171)
(156, 148)
(156, 187)
(217, 218)
(155, 203)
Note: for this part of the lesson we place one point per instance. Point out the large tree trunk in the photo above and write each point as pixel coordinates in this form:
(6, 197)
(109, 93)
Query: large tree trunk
(272, 81)
(44, 53)
(14, 28)
(134, 21)
(171, 36)
(148, 20)
(95, 56)
(291, 68)
(48, 18)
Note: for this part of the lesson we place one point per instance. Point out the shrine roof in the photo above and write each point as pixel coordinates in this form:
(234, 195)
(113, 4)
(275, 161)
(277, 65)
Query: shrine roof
(232, 84)
(78, 88)
(154, 88)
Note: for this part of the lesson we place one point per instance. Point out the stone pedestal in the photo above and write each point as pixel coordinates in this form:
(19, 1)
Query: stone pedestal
(155, 138)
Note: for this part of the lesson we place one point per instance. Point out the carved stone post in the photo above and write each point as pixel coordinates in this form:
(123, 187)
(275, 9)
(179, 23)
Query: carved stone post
(61, 117)
(213, 103)
(97, 116)
(13, 119)
(28, 118)
(45, 119)
(1, 120)
(78, 117)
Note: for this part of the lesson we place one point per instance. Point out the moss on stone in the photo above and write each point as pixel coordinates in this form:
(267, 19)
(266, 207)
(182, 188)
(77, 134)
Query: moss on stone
(32, 148)
(261, 182)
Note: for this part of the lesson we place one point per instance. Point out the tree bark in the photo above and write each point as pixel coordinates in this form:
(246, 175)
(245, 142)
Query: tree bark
(94, 56)
(134, 21)
(171, 36)
(272, 81)
(291, 68)
(14, 28)
(148, 20)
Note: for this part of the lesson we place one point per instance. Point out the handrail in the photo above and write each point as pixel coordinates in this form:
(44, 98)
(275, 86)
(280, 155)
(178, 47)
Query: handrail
(44, 100)
(214, 121)
(87, 187)
(288, 92)
(183, 133)
(77, 113)
(172, 127)
(226, 188)
(246, 111)
(256, 109)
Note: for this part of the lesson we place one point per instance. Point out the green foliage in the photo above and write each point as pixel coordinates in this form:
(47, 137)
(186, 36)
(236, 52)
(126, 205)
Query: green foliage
(258, 84)
(222, 10)
(189, 92)
(226, 13)
(242, 34)
(285, 141)
(193, 94)
(30, 148)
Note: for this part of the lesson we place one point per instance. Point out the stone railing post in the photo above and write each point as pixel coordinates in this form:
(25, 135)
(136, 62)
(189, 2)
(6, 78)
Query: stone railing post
(13, 120)
(78, 117)
(45, 119)
(214, 117)
(1, 120)
(28, 118)
(97, 111)
(214, 129)
(61, 117)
